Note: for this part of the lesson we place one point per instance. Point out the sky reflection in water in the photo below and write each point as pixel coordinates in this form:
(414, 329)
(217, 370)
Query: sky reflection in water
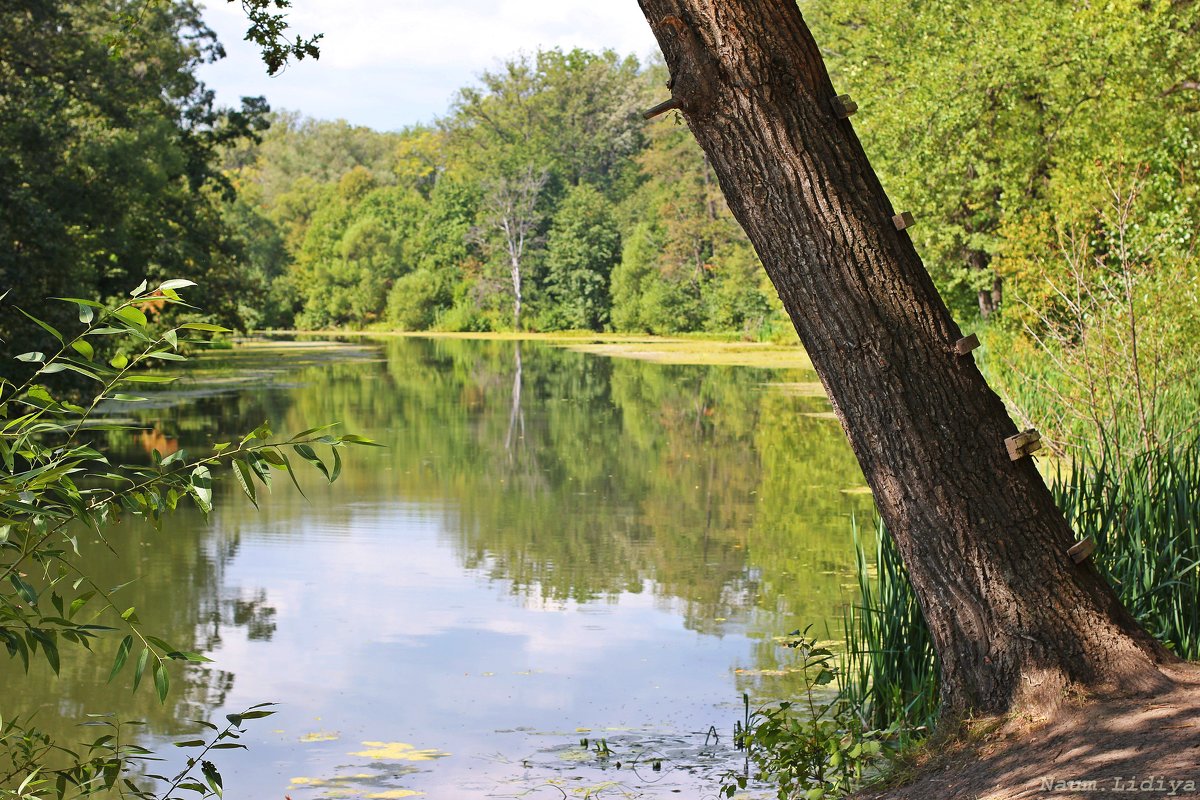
(552, 547)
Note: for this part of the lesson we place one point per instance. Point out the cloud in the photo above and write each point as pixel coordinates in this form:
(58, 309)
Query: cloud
(391, 64)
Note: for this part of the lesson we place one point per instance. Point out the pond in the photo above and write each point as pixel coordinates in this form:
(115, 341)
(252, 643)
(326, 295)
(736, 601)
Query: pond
(557, 579)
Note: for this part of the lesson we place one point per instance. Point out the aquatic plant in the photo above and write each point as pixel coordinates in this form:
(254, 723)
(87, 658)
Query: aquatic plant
(1144, 516)
(815, 748)
(889, 674)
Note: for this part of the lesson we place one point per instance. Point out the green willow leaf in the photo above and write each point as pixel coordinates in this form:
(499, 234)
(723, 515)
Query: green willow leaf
(350, 438)
(131, 315)
(160, 643)
(140, 669)
(27, 592)
(304, 434)
(122, 655)
(291, 472)
(256, 714)
(162, 683)
(79, 602)
(273, 457)
(337, 465)
(83, 347)
(49, 647)
(310, 455)
(50, 329)
(241, 471)
(201, 483)
(204, 326)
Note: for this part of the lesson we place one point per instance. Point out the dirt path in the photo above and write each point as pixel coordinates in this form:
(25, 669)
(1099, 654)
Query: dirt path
(1143, 747)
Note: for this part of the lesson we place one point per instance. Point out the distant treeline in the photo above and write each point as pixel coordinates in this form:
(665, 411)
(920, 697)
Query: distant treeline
(542, 200)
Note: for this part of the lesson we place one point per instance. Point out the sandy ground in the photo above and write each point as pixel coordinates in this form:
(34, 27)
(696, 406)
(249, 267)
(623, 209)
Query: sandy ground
(1145, 747)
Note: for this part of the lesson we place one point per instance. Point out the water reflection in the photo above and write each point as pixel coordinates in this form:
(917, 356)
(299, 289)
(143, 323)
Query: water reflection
(551, 541)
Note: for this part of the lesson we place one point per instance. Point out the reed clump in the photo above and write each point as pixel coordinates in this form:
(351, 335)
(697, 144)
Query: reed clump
(1144, 515)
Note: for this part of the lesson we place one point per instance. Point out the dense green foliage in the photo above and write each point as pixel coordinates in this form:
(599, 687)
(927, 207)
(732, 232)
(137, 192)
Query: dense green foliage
(540, 201)
(1049, 154)
(107, 163)
(997, 127)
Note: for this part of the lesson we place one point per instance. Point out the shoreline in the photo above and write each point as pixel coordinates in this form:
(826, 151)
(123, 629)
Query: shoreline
(675, 350)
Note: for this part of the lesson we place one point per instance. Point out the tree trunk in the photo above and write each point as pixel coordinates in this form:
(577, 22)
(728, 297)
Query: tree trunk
(989, 298)
(515, 272)
(1015, 621)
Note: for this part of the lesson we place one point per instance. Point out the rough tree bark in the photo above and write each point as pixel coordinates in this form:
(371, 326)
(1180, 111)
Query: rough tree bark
(1015, 621)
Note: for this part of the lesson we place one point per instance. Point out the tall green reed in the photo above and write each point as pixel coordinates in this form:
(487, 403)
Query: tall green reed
(889, 673)
(1144, 515)
(1145, 518)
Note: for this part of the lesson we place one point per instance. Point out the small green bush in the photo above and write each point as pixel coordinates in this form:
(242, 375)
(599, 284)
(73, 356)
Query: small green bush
(415, 300)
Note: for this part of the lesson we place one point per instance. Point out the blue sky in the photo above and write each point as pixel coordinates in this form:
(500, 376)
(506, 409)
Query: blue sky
(391, 63)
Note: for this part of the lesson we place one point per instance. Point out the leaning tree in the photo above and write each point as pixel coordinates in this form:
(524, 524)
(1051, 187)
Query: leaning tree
(1015, 620)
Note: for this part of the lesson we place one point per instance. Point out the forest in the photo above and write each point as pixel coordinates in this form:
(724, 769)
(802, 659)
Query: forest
(1049, 162)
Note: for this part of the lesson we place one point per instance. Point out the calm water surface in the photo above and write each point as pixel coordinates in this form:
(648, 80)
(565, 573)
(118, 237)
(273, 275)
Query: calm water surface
(553, 547)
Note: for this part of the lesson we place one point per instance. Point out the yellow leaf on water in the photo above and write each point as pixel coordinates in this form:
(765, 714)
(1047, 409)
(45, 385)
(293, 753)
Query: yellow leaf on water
(398, 751)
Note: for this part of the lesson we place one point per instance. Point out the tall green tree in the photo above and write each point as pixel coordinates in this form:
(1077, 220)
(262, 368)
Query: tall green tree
(527, 133)
(572, 114)
(355, 248)
(977, 528)
(582, 248)
(107, 164)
